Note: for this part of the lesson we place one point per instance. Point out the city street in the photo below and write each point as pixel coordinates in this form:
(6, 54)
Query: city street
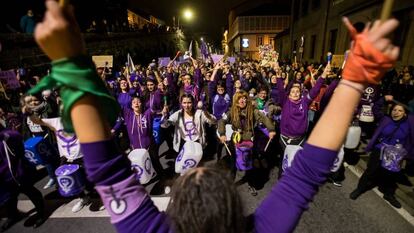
(331, 211)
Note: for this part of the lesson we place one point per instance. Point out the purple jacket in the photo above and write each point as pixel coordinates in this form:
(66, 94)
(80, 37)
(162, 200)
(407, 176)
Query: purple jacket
(139, 133)
(409, 143)
(279, 212)
(294, 121)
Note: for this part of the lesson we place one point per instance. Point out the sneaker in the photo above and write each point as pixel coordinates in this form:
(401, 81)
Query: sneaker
(355, 194)
(80, 204)
(101, 208)
(49, 184)
(252, 191)
(393, 201)
(337, 183)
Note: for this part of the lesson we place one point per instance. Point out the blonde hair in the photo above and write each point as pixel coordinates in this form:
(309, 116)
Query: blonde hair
(235, 111)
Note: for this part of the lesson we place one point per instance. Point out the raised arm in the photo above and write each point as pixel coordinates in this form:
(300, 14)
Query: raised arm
(124, 198)
(370, 57)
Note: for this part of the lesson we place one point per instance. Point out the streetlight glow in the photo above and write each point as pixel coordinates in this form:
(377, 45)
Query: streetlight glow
(188, 14)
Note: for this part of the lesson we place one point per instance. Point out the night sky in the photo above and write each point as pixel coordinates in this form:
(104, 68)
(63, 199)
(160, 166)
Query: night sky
(210, 16)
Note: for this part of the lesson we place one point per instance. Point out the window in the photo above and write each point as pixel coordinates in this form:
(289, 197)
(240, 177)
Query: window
(259, 41)
(332, 40)
(312, 47)
(272, 41)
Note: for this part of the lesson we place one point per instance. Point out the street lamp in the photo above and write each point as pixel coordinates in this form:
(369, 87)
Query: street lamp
(188, 14)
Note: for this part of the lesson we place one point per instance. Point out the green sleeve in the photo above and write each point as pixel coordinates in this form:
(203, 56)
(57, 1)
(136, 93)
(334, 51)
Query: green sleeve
(74, 78)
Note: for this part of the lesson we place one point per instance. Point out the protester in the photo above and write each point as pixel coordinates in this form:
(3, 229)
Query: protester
(132, 210)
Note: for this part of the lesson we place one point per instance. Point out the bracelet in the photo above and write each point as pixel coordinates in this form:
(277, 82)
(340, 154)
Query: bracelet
(360, 90)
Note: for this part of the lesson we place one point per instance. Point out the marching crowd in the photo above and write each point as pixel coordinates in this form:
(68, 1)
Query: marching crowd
(293, 116)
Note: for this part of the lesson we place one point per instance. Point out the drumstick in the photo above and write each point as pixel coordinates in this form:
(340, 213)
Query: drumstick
(267, 145)
(227, 148)
(386, 9)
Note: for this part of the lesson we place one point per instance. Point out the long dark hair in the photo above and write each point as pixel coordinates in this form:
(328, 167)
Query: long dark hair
(206, 200)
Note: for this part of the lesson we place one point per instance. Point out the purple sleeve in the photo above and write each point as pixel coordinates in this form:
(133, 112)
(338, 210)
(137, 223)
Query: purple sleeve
(328, 94)
(147, 218)
(212, 90)
(103, 164)
(282, 92)
(313, 93)
(107, 169)
(171, 83)
(289, 198)
(230, 86)
(118, 124)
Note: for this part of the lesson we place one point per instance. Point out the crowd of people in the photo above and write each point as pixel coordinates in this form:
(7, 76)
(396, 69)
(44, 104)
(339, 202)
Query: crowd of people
(257, 116)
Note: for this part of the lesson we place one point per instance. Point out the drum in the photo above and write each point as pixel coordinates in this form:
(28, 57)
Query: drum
(37, 151)
(71, 179)
(244, 155)
(338, 161)
(353, 137)
(189, 157)
(289, 155)
(142, 165)
(156, 130)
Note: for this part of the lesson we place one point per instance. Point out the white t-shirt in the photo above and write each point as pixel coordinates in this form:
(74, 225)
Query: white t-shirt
(190, 131)
(68, 144)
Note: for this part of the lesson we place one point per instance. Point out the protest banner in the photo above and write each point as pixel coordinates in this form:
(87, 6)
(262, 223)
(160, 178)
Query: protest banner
(337, 60)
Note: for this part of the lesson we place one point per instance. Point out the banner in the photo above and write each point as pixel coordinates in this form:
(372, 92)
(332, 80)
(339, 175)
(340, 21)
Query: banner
(9, 80)
(163, 61)
(267, 54)
(337, 60)
(232, 60)
(216, 57)
(103, 60)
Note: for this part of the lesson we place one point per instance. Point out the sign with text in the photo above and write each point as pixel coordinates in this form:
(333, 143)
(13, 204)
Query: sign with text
(103, 60)
(9, 80)
(163, 61)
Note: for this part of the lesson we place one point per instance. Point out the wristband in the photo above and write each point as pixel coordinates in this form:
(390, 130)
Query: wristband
(348, 84)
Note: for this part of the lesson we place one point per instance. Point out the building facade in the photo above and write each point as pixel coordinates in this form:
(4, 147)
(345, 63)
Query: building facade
(248, 33)
(320, 24)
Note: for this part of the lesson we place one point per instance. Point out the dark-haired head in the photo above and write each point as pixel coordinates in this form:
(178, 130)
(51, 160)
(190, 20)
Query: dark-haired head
(123, 84)
(399, 111)
(187, 103)
(206, 200)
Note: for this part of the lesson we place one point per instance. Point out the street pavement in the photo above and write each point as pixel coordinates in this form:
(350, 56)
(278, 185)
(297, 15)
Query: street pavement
(331, 211)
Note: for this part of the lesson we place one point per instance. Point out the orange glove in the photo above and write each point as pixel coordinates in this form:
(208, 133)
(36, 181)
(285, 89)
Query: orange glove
(365, 64)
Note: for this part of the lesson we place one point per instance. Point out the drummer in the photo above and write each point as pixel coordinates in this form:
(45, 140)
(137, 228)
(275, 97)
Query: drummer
(243, 117)
(69, 151)
(189, 123)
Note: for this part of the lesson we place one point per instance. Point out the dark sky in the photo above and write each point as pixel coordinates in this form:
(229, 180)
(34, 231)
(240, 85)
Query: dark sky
(210, 16)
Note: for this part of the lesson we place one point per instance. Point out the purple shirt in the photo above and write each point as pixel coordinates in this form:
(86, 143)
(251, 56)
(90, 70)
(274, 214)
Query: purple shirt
(279, 212)
(124, 99)
(294, 121)
(139, 128)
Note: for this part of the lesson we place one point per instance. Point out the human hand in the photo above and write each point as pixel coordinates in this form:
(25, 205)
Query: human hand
(272, 135)
(58, 35)
(372, 54)
(223, 139)
(326, 71)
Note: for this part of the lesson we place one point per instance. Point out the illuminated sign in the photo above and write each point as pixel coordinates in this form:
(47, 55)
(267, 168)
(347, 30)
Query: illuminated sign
(245, 43)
